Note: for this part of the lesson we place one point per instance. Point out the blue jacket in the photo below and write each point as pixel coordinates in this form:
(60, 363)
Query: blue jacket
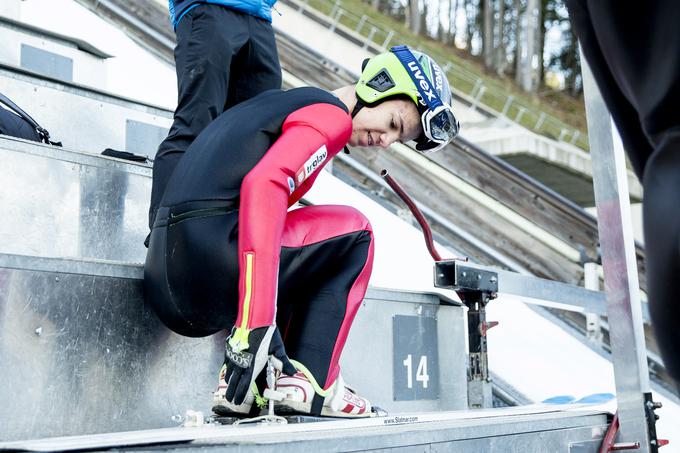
(257, 8)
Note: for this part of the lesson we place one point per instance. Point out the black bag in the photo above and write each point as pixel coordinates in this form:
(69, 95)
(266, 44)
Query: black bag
(17, 123)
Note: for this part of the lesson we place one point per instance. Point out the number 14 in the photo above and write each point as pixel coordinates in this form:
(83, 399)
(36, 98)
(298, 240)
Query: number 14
(421, 372)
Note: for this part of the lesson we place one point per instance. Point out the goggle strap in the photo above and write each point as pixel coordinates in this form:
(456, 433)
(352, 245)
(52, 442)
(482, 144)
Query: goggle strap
(427, 93)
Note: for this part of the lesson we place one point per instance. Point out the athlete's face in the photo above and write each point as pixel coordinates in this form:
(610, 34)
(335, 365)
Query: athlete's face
(392, 121)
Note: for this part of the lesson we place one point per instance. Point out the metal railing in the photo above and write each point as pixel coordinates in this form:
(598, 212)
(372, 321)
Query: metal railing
(478, 92)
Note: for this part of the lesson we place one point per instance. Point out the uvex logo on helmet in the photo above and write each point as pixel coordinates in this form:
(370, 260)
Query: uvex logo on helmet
(438, 80)
(422, 81)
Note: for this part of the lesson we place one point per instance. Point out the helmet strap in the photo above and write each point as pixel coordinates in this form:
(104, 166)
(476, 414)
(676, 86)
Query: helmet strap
(358, 106)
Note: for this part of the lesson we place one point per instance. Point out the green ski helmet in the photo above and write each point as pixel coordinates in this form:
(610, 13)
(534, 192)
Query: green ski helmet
(402, 72)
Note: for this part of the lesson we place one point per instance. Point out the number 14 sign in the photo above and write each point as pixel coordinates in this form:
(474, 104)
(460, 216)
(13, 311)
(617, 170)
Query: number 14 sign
(415, 360)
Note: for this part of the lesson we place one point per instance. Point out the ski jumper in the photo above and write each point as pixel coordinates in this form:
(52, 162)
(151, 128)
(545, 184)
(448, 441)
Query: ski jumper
(634, 54)
(224, 55)
(224, 249)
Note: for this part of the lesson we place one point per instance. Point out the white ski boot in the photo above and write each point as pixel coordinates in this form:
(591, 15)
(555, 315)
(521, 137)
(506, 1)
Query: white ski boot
(225, 408)
(340, 400)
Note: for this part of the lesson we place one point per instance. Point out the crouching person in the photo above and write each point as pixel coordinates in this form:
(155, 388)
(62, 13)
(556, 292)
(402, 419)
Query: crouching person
(226, 253)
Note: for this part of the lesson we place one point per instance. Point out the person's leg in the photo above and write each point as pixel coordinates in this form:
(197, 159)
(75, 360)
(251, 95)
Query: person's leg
(208, 37)
(194, 288)
(259, 63)
(662, 243)
(641, 47)
(622, 110)
(326, 261)
(635, 57)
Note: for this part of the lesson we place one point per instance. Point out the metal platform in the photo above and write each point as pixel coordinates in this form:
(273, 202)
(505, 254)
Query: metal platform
(63, 107)
(90, 357)
(577, 429)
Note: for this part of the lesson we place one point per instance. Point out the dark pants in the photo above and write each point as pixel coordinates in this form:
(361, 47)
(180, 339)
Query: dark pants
(191, 276)
(634, 53)
(222, 57)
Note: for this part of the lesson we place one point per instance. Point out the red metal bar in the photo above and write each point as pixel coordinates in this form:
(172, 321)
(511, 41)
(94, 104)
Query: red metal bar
(610, 435)
(416, 212)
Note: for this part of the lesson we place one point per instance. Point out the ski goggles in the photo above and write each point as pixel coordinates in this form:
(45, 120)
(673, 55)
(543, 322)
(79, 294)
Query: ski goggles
(440, 126)
(439, 123)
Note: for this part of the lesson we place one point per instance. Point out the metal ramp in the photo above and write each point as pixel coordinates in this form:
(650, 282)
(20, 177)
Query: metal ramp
(509, 430)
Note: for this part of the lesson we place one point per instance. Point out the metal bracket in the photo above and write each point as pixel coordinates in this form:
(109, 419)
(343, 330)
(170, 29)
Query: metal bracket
(608, 443)
(463, 278)
(476, 287)
(650, 407)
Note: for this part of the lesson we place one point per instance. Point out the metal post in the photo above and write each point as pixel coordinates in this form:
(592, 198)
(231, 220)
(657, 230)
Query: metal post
(520, 114)
(480, 393)
(478, 84)
(361, 23)
(539, 123)
(506, 107)
(369, 39)
(620, 267)
(389, 37)
(335, 9)
(593, 321)
(336, 19)
(477, 97)
(563, 133)
(475, 287)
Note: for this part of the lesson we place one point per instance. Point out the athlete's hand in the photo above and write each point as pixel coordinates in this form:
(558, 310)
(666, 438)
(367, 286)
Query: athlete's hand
(246, 354)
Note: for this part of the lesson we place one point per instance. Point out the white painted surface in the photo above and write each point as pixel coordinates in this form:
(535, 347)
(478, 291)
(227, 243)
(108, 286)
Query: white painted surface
(131, 72)
(319, 38)
(88, 69)
(10, 9)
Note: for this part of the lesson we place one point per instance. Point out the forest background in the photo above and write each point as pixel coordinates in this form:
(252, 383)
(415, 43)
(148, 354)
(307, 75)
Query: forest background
(526, 47)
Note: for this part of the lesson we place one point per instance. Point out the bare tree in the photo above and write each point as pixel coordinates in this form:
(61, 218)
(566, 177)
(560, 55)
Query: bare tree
(423, 19)
(527, 75)
(567, 59)
(445, 5)
(542, 6)
(500, 46)
(453, 29)
(432, 29)
(413, 16)
(487, 33)
(518, 38)
(397, 10)
(470, 24)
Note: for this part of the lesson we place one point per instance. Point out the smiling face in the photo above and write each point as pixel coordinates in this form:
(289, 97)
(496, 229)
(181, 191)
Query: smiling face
(388, 122)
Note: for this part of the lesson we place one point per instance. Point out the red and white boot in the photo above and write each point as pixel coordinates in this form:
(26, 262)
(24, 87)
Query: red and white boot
(228, 409)
(340, 400)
